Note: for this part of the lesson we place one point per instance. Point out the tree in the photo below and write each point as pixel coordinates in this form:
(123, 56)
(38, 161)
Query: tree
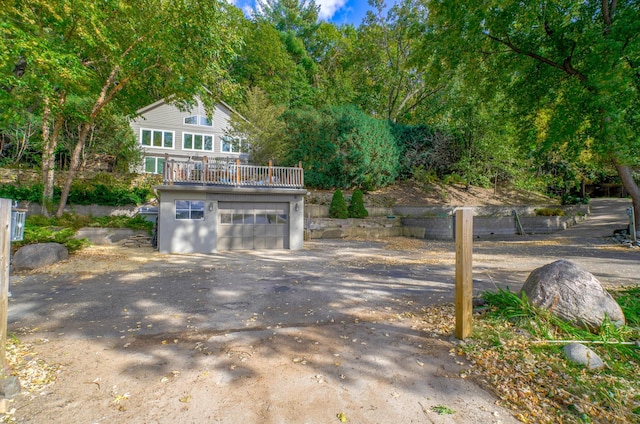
(121, 52)
(260, 128)
(393, 76)
(342, 147)
(356, 205)
(338, 207)
(571, 67)
(297, 16)
(264, 62)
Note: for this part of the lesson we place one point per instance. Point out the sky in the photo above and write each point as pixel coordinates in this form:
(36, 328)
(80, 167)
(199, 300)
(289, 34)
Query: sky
(336, 11)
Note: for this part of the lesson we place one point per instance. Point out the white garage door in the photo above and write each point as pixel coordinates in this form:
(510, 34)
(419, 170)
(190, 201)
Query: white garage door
(244, 225)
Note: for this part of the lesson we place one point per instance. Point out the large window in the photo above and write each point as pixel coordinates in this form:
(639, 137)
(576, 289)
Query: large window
(153, 165)
(156, 138)
(201, 120)
(197, 142)
(189, 209)
(230, 145)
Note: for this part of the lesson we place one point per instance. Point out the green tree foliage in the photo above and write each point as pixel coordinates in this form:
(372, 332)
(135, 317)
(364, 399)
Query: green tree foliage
(569, 68)
(334, 49)
(260, 127)
(342, 147)
(296, 21)
(356, 205)
(114, 52)
(393, 77)
(264, 62)
(297, 16)
(338, 207)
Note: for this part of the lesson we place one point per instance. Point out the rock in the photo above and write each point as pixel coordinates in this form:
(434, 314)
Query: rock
(9, 387)
(572, 294)
(33, 256)
(583, 355)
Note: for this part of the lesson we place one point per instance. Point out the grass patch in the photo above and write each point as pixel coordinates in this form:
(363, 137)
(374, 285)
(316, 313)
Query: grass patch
(511, 351)
(41, 229)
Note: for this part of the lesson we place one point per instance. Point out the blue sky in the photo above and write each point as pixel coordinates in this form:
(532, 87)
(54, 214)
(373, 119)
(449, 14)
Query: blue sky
(336, 11)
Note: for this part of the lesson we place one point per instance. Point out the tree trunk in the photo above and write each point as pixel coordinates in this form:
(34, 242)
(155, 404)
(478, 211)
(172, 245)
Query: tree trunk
(49, 144)
(73, 167)
(632, 188)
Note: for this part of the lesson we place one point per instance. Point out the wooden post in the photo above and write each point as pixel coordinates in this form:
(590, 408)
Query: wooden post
(205, 169)
(270, 172)
(464, 275)
(238, 171)
(5, 242)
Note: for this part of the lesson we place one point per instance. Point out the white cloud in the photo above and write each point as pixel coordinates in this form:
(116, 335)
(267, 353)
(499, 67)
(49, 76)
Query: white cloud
(328, 8)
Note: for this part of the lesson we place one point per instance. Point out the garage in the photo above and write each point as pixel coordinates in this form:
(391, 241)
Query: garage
(207, 219)
(250, 225)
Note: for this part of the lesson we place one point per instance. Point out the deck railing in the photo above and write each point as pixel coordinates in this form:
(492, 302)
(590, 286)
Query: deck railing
(230, 172)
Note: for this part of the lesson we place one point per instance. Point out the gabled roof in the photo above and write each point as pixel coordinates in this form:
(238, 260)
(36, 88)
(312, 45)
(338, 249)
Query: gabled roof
(162, 102)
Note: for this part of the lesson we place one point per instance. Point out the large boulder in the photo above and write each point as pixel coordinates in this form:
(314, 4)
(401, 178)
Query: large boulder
(33, 256)
(572, 294)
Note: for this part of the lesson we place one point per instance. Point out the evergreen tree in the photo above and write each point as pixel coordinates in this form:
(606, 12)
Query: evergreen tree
(338, 208)
(356, 207)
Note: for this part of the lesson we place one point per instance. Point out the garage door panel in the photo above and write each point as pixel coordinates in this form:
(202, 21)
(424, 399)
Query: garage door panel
(261, 230)
(252, 225)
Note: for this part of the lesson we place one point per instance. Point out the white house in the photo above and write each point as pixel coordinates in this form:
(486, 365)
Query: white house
(161, 128)
(209, 199)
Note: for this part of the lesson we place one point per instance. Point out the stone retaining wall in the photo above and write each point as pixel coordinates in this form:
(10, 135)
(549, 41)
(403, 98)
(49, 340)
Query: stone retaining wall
(439, 223)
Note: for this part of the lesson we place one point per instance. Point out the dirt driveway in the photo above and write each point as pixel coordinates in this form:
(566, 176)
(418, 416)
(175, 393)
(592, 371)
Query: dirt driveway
(276, 337)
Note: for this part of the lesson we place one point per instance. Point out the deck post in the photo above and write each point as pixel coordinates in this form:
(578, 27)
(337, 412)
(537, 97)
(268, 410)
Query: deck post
(205, 170)
(270, 172)
(238, 172)
(5, 242)
(464, 275)
(165, 169)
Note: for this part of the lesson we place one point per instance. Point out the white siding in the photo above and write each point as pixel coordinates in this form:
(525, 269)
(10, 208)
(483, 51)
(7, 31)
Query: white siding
(163, 116)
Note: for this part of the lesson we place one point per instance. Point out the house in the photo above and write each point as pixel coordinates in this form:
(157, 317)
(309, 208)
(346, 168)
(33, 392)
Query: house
(162, 128)
(210, 199)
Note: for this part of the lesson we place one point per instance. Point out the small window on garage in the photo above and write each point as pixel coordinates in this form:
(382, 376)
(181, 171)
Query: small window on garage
(189, 209)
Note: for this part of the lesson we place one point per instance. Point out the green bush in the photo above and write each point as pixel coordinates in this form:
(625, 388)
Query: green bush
(64, 236)
(137, 222)
(549, 212)
(338, 207)
(342, 147)
(568, 199)
(82, 193)
(356, 206)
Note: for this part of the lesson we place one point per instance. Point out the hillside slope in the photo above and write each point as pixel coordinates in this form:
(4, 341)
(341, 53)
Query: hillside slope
(410, 193)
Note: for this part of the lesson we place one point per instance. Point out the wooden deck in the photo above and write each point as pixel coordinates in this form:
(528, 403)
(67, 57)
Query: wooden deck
(230, 172)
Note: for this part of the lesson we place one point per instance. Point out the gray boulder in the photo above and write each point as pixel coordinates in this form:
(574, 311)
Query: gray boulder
(583, 355)
(34, 256)
(9, 387)
(572, 294)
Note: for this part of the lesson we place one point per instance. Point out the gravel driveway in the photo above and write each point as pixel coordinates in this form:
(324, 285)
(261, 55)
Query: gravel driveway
(277, 337)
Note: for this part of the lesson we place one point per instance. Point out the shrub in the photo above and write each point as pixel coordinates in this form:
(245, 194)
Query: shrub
(83, 193)
(64, 236)
(356, 207)
(549, 212)
(338, 208)
(342, 147)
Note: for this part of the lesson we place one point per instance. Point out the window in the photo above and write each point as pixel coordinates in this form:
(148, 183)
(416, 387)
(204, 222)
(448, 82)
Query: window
(153, 165)
(197, 142)
(189, 209)
(201, 120)
(156, 138)
(230, 145)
